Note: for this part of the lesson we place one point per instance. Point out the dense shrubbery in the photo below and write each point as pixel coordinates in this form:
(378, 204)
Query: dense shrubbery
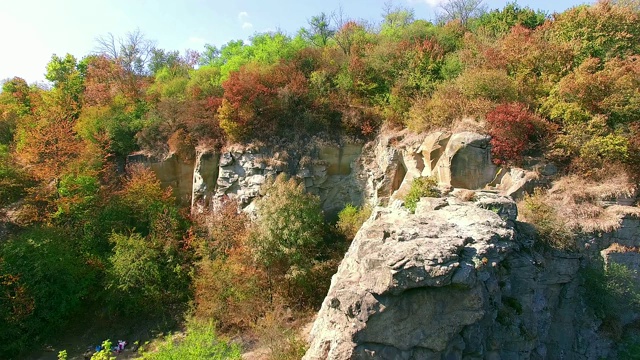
(562, 86)
(44, 281)
(290, 242)
(13, 181)
(224, 258)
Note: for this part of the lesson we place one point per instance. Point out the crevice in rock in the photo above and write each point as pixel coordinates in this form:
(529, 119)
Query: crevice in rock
(436, 154)
(216, 173)
(398, 177)
(419, 159)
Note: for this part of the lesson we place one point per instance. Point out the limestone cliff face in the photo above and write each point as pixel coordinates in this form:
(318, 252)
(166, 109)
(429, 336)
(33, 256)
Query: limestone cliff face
(325, 168)
(455, 280)
(171, 171)
(375, 173)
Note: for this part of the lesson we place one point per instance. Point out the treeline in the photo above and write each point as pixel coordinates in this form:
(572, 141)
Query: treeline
(563, 86)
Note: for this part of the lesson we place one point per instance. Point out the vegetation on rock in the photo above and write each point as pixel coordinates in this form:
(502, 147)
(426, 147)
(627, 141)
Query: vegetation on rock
(420, 187)
(92, 236)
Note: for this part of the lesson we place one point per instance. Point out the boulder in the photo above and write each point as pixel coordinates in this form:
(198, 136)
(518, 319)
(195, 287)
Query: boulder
(466, 161)
(455, 280)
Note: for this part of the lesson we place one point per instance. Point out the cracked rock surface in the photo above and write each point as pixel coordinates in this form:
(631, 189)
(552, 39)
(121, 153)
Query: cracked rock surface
(455, 280)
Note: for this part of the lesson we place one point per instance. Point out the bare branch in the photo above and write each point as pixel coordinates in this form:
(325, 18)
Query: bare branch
(462, 10)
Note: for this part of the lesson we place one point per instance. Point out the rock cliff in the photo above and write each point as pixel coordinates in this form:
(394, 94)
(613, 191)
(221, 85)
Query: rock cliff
(458, 280)
(340, 173)
(238, 172)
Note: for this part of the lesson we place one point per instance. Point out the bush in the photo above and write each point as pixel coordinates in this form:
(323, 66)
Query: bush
(235, 305)
(446, 105)
(420, 187)
(44, 280)
(200, 342)
(280, 337)
(513, 131)
(225, 258)
(489, 84)
(550, 228)
(351, 218)
(290, 223)
(105, 353)
(289, 241)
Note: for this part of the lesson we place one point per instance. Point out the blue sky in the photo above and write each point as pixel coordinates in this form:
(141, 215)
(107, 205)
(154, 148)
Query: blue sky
(32, 30)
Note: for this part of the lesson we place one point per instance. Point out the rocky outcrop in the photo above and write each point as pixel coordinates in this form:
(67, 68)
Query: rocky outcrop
(325, 168)
(389, 164)
(339, 173)
(455, 280)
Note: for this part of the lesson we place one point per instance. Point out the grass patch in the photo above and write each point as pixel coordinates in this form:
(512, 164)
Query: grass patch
(199, 342)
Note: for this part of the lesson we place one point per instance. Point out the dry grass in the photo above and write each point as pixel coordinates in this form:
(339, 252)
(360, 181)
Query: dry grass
(579, 189)
(466, 195)
(581, 203)
(617, 248)
(469, 124)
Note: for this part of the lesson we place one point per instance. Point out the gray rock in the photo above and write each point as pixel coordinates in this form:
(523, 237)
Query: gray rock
(226, 159)
(453, 281)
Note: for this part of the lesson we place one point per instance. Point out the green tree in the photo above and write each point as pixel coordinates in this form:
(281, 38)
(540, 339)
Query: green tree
(499, 22)
(288, 238)
(601, 31)
(44, 280)
(319, 31)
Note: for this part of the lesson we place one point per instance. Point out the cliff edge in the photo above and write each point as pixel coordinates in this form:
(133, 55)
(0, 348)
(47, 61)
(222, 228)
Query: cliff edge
(456, 280)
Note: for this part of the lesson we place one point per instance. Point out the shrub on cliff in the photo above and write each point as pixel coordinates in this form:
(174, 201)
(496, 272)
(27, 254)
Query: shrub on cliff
(514, 130)
(551, 229)
(420, 187)
(351, 218)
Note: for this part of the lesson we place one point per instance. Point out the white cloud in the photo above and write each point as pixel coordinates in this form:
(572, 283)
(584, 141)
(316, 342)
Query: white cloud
(243, 18)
